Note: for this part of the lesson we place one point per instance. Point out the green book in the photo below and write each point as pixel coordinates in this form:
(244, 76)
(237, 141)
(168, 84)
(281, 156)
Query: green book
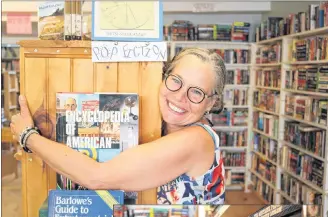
(43, 211)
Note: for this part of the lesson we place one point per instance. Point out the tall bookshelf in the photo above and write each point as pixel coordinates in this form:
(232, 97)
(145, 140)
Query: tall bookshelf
(234, 134)
(9, 81)
(292, 127)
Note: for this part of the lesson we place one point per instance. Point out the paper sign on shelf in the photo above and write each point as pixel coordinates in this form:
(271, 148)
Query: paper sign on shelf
(203, 7)
(110, 51)
(19, 23)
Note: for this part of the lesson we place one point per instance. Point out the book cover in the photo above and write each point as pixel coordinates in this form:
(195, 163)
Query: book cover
(99, 125)
(83, 203)
(54, 20)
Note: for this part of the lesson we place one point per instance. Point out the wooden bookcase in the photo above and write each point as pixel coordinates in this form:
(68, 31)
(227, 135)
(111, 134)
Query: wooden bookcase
(48, 67)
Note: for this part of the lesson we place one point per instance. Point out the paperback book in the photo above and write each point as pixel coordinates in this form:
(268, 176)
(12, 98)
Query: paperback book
(99, 125)
(83, 203)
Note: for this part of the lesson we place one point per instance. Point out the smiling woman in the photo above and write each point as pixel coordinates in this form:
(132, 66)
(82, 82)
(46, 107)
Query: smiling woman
(184, 164)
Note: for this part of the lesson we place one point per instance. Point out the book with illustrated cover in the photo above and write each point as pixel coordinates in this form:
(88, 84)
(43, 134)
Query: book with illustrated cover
(99, 125)
(83, 203)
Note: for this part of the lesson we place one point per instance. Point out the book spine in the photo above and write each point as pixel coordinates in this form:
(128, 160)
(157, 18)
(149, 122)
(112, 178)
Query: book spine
(73, 17)
(68, 21)
(78, 20)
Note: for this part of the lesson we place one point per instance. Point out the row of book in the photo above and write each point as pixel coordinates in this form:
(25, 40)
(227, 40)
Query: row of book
(263, 189)
(268, 53)
(237, 76)
(266, 123)
(235, 97)
(313, 17)
(268, 77)
(233, 138)
(267, 100)
(298, 192)
(151, 211)
(302, 165)
(310, 49)
(60, 20)
(309, 138)
(234, 56)
(308, 108)
(266, 146)
(234, 178)
(10, 58)
(184, 30)
(230, 117)
(229, 56)
(233, 159)
(308, 78)
(264, 168)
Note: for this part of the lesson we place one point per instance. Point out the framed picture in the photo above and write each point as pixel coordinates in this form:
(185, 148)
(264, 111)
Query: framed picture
(127, 20)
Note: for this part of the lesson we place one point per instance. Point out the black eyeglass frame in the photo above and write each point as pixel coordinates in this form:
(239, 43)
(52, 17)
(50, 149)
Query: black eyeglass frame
(166, 75)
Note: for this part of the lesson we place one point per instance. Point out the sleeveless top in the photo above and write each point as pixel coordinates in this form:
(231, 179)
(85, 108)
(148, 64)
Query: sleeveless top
(208, 188)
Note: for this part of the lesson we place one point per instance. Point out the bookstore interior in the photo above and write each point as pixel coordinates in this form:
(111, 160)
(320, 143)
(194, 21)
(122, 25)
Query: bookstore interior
(272, 128)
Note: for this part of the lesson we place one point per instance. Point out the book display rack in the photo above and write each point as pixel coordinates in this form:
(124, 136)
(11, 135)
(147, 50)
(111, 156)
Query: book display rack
(290, 96)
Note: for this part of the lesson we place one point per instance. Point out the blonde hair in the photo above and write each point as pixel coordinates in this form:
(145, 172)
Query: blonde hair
(207, 56)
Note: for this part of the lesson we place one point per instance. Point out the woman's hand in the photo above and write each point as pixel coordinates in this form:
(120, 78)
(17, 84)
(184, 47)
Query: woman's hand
(21, 121)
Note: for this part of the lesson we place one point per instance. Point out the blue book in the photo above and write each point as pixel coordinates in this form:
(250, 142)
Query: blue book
(83, 203)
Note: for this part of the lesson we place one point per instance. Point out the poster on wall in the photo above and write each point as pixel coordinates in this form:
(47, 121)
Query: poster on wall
(127, 21)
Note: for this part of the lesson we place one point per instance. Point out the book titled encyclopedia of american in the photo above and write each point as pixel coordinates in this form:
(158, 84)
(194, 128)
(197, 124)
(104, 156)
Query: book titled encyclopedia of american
(99, 125)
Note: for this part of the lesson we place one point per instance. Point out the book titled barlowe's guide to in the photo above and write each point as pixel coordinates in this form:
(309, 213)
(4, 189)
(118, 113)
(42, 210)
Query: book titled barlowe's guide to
(77, 203)
(99, 125)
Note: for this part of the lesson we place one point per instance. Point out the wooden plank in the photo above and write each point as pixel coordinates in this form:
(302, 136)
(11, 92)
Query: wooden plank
(53, 43)
(35, 91)
(150, 125)
(106, 77)
(82, 75)
(128, 82)
(128, 77)
(58, 70)
(24, 155)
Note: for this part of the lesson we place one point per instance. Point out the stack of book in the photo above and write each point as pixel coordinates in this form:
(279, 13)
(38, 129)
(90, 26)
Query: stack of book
(240, 31)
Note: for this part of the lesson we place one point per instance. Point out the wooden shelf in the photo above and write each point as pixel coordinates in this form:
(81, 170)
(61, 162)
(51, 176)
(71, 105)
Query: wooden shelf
(264, 134)
(211, 42)
(267, 65)
(308, 62)
(262, 178)
(306, 122)
(306, 182)
(287, 197)
(307, 92)
(318, 31)
(290, 145)
(265, 157)
(268, 88)
(265, 111)
(270, 41)
(55, 43)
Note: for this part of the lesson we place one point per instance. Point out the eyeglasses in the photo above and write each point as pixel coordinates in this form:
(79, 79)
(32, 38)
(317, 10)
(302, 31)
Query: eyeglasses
(194, 94)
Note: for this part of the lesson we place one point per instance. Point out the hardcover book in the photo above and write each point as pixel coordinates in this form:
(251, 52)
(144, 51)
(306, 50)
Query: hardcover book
(99, 125)
(83, 203)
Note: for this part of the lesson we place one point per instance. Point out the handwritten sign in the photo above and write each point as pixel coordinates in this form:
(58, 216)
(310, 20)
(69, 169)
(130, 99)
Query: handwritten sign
(110, 51)
(203, 7)
(19, 23)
